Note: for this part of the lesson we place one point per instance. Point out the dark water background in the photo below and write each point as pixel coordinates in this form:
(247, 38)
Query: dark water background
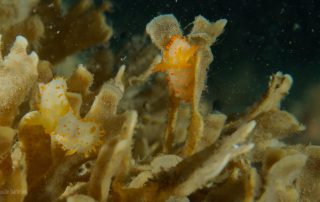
(261, 37)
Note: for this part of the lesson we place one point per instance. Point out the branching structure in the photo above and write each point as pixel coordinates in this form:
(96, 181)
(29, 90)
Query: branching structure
(140, 135)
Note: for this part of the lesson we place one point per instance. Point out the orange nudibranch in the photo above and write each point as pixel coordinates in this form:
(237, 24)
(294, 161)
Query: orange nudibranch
(178, 61)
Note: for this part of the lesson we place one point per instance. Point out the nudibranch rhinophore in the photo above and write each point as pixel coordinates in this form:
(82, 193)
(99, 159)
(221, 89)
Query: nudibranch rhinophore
(62, 120)
(178, 61)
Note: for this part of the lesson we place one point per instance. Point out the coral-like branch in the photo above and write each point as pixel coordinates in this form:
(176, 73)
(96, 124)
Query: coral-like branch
(18, 74)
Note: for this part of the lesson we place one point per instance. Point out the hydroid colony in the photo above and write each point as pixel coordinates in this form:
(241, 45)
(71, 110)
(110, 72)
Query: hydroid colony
(143, 134)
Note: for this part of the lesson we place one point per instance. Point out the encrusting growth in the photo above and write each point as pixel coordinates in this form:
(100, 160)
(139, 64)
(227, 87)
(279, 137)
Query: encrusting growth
(18, 74)
(62, 121)
(59, 114)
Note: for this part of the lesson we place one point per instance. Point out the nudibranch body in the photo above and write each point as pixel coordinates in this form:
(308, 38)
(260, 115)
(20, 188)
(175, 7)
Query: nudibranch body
(178, 61)
(62, 122)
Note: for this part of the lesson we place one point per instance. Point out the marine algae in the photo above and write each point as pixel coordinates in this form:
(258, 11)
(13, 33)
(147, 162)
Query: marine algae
(139, 135)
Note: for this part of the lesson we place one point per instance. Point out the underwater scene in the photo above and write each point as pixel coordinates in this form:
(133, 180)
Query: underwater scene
(159, 101)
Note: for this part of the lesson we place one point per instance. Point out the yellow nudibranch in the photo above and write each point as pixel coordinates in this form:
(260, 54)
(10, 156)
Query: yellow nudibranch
(178, 61)
(62, 120)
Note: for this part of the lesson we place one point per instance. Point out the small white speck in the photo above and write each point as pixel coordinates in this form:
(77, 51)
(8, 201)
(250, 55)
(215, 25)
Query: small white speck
(124, 58)
(235, 146)
(296, 26)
